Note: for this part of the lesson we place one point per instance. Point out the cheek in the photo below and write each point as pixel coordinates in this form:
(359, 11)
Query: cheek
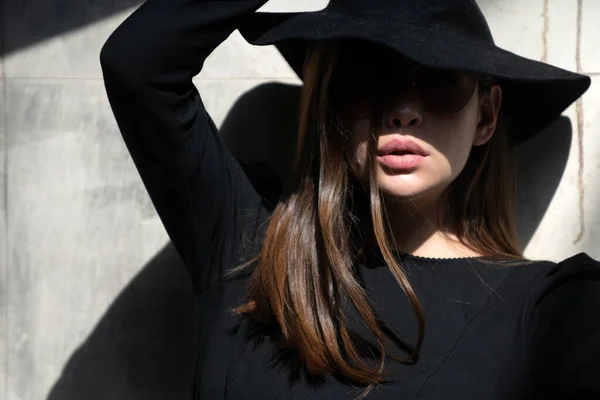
(455, 146)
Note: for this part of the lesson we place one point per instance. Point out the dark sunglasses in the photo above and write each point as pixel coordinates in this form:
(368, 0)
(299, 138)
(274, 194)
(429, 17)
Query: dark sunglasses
(379, 84)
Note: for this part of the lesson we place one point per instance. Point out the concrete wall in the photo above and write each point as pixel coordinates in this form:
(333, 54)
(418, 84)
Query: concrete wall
(94, 302)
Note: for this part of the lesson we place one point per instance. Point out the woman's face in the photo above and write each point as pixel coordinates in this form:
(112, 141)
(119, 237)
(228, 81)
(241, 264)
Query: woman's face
(424, 141)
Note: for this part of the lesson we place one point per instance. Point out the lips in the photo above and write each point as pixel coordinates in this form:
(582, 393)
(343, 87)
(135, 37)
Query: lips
(401, 147)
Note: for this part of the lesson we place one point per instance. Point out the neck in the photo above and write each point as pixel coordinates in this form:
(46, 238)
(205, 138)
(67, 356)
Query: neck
(416, 229)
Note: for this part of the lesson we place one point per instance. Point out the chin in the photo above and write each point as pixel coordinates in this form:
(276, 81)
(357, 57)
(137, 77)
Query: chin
(400, 191)
(400, 195)
(402, 187)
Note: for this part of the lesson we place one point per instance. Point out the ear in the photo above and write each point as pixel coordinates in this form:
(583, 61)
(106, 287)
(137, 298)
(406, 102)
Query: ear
(489, 108)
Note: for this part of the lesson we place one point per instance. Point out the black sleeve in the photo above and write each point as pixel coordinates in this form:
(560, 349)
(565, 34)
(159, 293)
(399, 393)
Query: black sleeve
(564, 331)
(201, 193)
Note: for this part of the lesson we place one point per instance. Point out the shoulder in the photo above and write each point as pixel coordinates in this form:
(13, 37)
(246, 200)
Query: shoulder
(570, 284)
(538, 279)
(576, 268)
(562, 325)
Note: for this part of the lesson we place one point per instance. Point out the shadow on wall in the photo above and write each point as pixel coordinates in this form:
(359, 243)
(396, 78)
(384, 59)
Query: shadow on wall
(31, 22)
(143, 347)
(541, 163)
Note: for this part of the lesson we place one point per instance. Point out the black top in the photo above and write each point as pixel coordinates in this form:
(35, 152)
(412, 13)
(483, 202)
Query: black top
(492, 332)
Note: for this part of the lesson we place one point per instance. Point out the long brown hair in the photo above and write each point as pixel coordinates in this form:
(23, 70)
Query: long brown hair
(305, 271)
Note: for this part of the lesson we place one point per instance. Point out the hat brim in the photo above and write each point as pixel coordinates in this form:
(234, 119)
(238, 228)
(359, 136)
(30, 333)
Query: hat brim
(536, 93)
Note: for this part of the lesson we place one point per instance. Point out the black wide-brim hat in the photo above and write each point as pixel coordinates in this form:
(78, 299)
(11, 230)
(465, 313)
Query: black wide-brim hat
(450, 34)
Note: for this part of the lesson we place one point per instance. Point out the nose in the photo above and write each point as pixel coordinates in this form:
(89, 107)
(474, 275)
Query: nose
(405, 112)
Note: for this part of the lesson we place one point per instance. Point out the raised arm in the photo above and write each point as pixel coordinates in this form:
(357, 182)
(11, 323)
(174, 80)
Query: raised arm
(200, 192)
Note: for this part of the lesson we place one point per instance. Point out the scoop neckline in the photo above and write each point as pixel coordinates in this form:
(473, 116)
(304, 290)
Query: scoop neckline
(413, 257)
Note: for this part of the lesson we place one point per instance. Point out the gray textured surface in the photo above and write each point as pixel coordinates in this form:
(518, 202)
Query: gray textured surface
(142, 346)
(590, 32)
(58, 38)
(3, 277)
(77, 211)
(591, 176)
(94, 301)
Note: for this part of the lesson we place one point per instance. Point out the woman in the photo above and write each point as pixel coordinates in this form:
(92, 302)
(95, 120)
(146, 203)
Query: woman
(389, 265)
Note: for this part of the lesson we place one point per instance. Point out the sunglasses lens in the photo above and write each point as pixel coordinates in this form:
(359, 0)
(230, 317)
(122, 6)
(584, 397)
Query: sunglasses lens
(445, 91)
(356, 89)
(363, 88)
(368, 86)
